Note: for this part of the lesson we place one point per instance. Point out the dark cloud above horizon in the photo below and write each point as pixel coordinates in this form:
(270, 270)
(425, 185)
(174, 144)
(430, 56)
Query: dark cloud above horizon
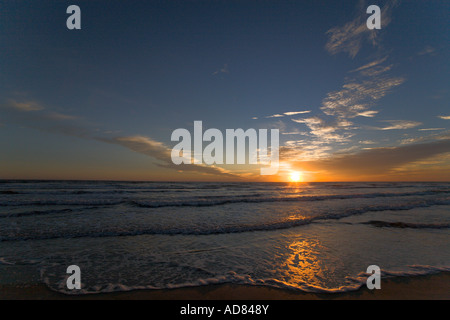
(377, 161)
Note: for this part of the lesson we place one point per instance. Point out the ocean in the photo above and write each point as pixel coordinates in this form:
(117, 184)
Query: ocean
(312, 237)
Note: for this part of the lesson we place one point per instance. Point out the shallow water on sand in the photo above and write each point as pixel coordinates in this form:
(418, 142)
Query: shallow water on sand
(318, 237)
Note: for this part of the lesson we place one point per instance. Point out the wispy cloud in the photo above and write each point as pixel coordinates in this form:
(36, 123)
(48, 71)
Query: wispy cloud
(144, 145)
(400, 125)
(324, 130)
(373, 68)
(275, 116)
(347, 38)
(31, 107)
(368, 113)
(25, 105)
(432, 129)
(427, 138)
(350, 37)
(376, 70)
(370, 65)
(428, 50)
(224, 69)
(293, 113)
(355, 98)
(159, 151)
(33, 115)
(162, 153)
(289, 113)
(367, 142)
(360, 93)
(296, 132)
(444, 117)
(303, 151)
(59, 123)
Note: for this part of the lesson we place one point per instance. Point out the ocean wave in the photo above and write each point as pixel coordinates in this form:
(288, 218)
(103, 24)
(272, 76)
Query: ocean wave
(47, 212)
(352, 283)
(416, 270)
(202, 201)
(5, 262)
(63, 202)
(215, 201)
(9, 192)
(65, 192)
(218, 229)
(404, 225)
(35, 213)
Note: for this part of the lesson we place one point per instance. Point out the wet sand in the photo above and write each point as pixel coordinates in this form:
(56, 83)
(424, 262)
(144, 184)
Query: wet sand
(430, 287)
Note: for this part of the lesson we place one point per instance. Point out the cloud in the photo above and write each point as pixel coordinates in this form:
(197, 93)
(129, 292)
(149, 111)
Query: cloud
(161, 152)
(296, 132)
(376, 161)
(350, 37)
(400, 125)
(224, 69)
(354, 99)
(431, 129)
(292, 113)
(428, 50)
(427, 138)
(370, 82)
(32, 115)
(367, 142)
(347, 38)
(373, 68)
(377, 70)
(370, 65)
(69, 125)
(367, 114)
(444, 117)
(25, 106)
(326, 130)
(303, 151)
(144, 145)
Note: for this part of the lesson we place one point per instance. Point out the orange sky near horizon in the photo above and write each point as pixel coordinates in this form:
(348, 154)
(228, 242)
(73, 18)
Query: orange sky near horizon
(145, 171)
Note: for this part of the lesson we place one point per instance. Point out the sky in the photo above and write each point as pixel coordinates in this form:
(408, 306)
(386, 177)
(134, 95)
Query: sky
(351, 104)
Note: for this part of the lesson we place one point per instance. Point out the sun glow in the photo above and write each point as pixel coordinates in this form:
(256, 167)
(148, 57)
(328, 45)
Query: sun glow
(295, 176)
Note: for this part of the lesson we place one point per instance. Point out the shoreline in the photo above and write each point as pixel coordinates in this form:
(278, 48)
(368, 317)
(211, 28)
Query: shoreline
(426, 287)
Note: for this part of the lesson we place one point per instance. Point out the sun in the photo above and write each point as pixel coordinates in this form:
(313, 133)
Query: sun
(295, 176)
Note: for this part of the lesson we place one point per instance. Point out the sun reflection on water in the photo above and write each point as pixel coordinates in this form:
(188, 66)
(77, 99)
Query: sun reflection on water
(304, 265)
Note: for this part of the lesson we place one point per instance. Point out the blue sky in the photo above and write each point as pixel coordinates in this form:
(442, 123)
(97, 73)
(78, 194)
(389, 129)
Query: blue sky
(102, 102)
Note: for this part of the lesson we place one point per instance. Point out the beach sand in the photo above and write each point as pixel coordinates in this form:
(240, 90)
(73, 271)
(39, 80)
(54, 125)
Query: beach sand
(430, 287)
